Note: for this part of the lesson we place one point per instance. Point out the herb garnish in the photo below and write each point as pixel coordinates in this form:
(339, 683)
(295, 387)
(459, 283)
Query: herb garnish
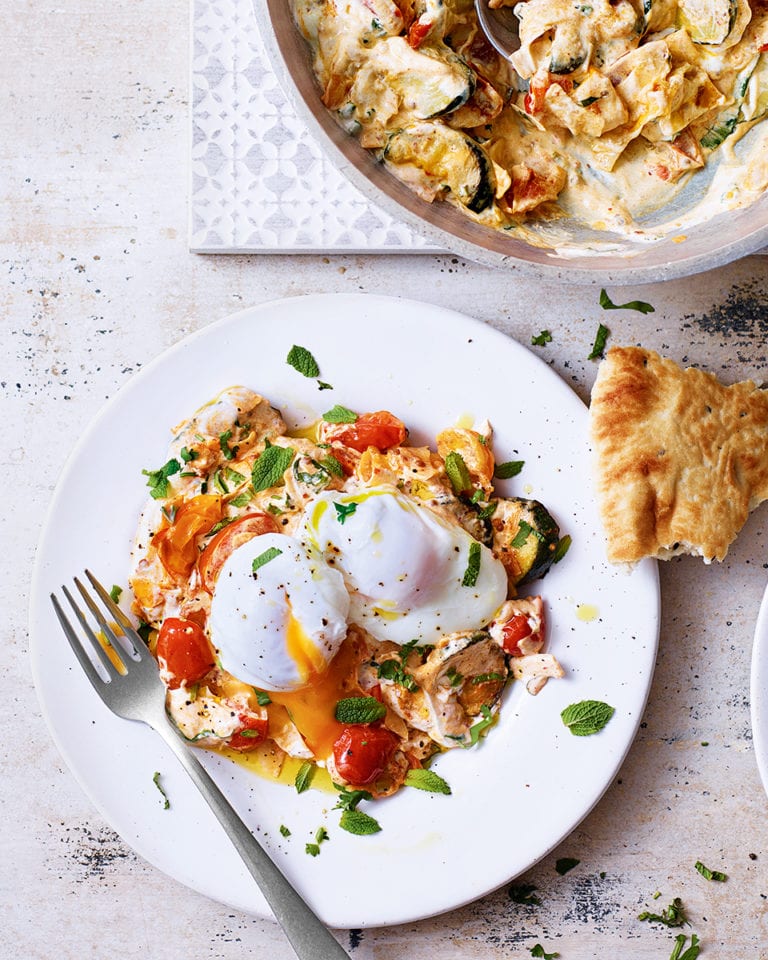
(564, 864)
(262, 697)
(601, 338)
(304, 776)
(477, 728)
(542, 339)
(313, 849)
(344, 510)
(339, 414)
(510, 468)
(270, 467)
(352, 710)
(157, 480)
(156, 781)
(284, 830)
(353, 820)
(187, 455)
(563, 546)
(473, 565)
(331, 465)
(302, 360)
(458, 473)
(229, 452)
(586, 717)
(607, 304)
(691, 953)
(671, 916)
(523, 893)
(426, 780)
(269, 554)
(394, 671)
(115, 593)
(538, 951)
(710, 874)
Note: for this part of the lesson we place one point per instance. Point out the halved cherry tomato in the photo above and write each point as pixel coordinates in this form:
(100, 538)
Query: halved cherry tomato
(227, 540)
(252, 732)
(184, 649)
(176, 544)
(515, 630)
(381, 430)
(362, 752)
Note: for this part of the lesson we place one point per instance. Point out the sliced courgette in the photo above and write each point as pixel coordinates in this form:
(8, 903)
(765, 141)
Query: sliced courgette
(568, 51)
(444, 159)
(525, 538)
(708, 21)
(429, 82)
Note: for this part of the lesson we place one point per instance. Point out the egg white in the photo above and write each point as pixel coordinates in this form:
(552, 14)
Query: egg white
(403, 565)
(279, 625)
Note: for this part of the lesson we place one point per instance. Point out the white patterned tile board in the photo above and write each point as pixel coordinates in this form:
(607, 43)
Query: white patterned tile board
(259, 182)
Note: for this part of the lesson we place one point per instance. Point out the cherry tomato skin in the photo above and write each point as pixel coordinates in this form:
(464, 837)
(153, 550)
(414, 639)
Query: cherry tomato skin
(362, 752)
(515, 630)
(176, 544)
(381, 430)
(184, 648)
(252, 732)
(227, 540)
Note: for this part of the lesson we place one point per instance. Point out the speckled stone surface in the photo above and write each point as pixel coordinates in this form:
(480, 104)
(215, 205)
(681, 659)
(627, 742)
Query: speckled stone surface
(96, 281)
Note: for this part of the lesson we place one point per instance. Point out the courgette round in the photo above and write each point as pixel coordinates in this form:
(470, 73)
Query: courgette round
(445, 158)
(525, 538)
(708, 21)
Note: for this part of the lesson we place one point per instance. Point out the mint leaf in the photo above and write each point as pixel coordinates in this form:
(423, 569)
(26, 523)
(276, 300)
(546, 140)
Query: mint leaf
(523, 894)
(344, 510)
(304, 776)
(269, 468)
(359, 823)
(115, 593)
(349, 799)
(322, 385)
(538, 951)
(265, 557)
(262, 697)
(476, 729)
(563, 546)
(473, 565)
(302, 360)
(607, 304)
(542, 339)
(601, 338)
(359, 710)
(564, 864)
(339, 414)
(691, 953)
(586, 717)
(284, 830)
(157, 480)
(331, 465)
(671, 916)
(710, 874)
(426, 780)
(509, 469)
(458, 473)
(156, 781)
(313, 849)
(523, 532)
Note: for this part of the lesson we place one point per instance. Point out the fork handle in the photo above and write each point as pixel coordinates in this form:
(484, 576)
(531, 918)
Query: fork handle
(307, 934)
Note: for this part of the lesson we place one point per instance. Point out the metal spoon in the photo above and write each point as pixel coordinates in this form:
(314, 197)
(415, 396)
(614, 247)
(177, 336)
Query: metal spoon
(500, 27)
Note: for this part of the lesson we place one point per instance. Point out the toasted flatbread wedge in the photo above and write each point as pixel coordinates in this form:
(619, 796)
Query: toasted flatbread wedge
(681, 458)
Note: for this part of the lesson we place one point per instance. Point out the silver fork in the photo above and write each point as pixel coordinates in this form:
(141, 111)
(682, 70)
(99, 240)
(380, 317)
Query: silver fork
(138, 693)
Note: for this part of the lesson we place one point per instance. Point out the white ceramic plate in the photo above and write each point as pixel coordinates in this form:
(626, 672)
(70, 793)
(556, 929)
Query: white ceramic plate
(526, 786)
(758, 694)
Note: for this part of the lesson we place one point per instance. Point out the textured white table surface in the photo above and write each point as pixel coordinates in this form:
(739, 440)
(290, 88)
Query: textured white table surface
(97, 280)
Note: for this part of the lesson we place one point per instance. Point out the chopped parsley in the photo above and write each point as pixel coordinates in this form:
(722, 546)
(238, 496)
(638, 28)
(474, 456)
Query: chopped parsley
(671, 916)
(284, 831)
(541, 339)
(115, 593)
